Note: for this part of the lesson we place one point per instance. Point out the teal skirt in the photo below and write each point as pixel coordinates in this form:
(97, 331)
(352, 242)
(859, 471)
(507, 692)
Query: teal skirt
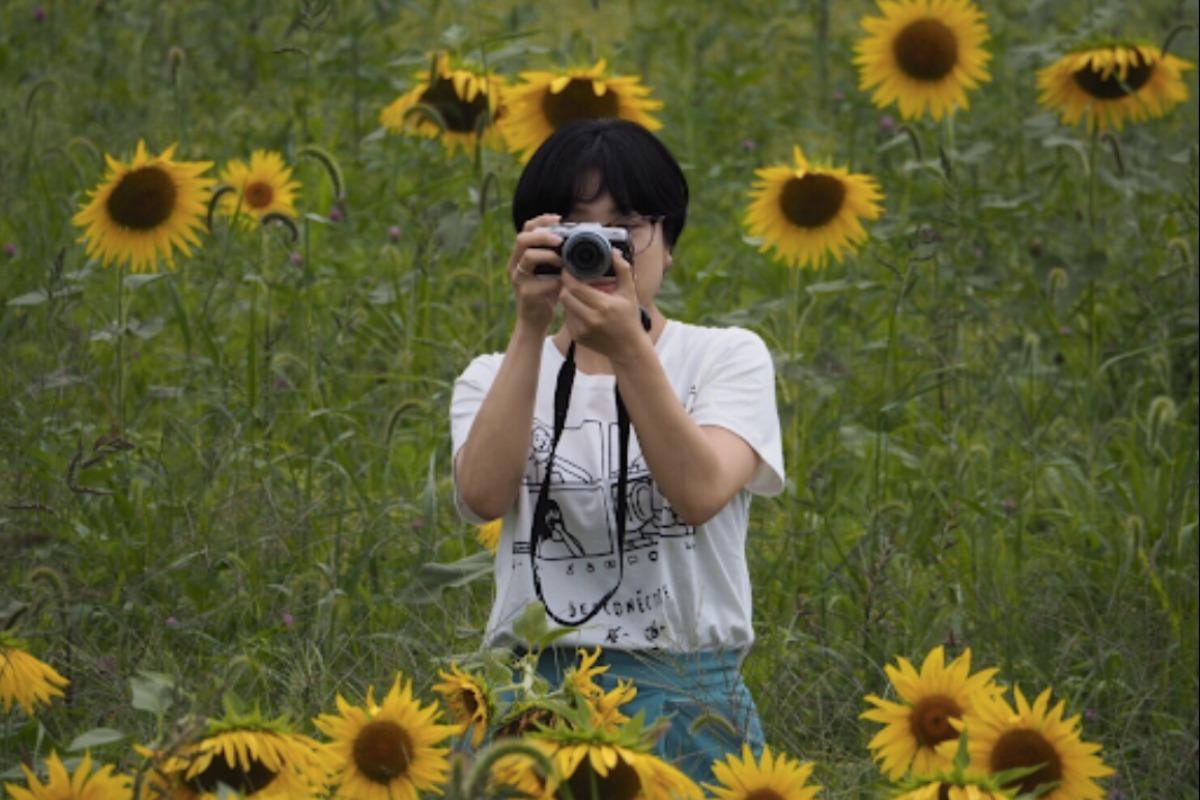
(702, 696)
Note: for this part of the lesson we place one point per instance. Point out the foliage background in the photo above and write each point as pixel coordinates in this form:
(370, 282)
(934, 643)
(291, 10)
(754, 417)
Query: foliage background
(989, 413)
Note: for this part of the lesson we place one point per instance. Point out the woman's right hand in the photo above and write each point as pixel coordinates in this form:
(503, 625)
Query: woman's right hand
(536, 294)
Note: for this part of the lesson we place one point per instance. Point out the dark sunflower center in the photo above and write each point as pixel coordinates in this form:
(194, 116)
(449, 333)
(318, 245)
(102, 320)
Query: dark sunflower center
(1026, 748)
(578, 100)
(943, 791)
(930, 720)
(143, 199)
(621, 783)
(926, 50)
(811, 201)
(382, 751)
(219, 772)
(469, 701)
(458, 115)
(765, 794)
(1111, 87)
(259, 194)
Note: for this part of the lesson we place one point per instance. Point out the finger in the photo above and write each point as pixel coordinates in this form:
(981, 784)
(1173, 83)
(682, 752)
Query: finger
(541, 221)
(581, 290)
(624, 270)
(581, 311)
(541, 237)
(527, 265)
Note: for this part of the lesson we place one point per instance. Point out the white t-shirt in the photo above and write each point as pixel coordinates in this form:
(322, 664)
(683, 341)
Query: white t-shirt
(685, 588)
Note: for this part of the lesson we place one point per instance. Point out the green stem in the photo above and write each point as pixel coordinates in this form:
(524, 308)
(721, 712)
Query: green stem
(121, 348)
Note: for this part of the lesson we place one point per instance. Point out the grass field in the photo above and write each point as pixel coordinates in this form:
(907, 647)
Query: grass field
(989, 411)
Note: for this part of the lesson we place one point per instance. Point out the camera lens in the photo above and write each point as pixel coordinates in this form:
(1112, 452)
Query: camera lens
(587, 255)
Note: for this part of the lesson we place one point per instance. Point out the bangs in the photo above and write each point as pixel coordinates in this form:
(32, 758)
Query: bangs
(585, 159)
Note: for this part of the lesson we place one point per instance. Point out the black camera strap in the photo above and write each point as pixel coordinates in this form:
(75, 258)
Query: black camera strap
(540, 530)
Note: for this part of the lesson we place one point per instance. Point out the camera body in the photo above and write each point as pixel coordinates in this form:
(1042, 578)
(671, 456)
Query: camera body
(586, 248)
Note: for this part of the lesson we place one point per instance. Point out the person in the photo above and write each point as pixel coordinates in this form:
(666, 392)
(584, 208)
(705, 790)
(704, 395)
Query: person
(664, 588)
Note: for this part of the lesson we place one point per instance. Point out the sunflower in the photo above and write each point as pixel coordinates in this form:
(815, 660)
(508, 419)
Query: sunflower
(772, 777)
(246, 752)
(545, 101)
(488, 535)
(25, 680)
(83, 785)
(924, 54)
(1111, 83)
(808, 212)
(939, 790)
(145, 208)
(469, 699)
(599, 765)
(920, 723)
(466, 101)
(388, 751)
(260, 188)
(1000, 739)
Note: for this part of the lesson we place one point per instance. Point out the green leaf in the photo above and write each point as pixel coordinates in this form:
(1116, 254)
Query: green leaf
(432, 578)
(96, 737)
(152, 691)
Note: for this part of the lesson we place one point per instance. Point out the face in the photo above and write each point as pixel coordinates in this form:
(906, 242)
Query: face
(650, 259)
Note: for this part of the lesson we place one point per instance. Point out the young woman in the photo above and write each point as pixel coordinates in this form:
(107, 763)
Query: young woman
(621, 451)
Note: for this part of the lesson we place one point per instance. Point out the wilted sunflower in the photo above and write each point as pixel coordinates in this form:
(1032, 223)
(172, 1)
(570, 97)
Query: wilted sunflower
(145, 209)
(1000, 739)
(465, 101)
(606, 708)
(809, 212)
(772, 777)
(469, 700)
(916, 726)
(488, 535)
(24, 679)
(582, 678)
(244, 751)
(545, 101)
(923, 54)
(83, 785)
(388, 751)
(264, 186)
(1109, 84)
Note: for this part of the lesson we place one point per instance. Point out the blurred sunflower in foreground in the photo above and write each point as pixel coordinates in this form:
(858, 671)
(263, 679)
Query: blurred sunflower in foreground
(1000, 738)
(545, 101)
(469, 700)
(244, 752)
(62, 785)
(264, 186)
(775, 776)
(808, 213)
(24, 679)
(488, 535)
(145, 209)
(460, 105)
(1111, 83)
(924, 55)
(387, 751)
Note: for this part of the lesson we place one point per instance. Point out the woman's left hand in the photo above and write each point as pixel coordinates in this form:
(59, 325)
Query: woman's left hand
(609, 322)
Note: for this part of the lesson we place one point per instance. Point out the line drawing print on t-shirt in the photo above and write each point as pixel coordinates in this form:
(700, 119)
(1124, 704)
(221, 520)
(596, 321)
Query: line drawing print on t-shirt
(583, 491)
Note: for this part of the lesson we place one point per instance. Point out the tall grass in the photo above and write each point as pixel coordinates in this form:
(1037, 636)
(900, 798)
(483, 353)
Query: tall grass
(989, 413)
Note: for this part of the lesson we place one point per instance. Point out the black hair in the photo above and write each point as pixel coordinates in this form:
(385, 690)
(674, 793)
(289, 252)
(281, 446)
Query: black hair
(634, 167)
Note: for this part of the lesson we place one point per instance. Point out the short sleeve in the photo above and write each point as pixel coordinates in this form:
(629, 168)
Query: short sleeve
(470, 389)
(736, 391)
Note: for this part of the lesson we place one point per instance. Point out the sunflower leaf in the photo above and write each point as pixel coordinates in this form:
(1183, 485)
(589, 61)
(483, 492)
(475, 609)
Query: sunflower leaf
(95, 738)
(152, 691)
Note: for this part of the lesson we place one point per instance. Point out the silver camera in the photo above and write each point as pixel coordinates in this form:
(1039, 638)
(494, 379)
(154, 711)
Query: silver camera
(586, 248)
